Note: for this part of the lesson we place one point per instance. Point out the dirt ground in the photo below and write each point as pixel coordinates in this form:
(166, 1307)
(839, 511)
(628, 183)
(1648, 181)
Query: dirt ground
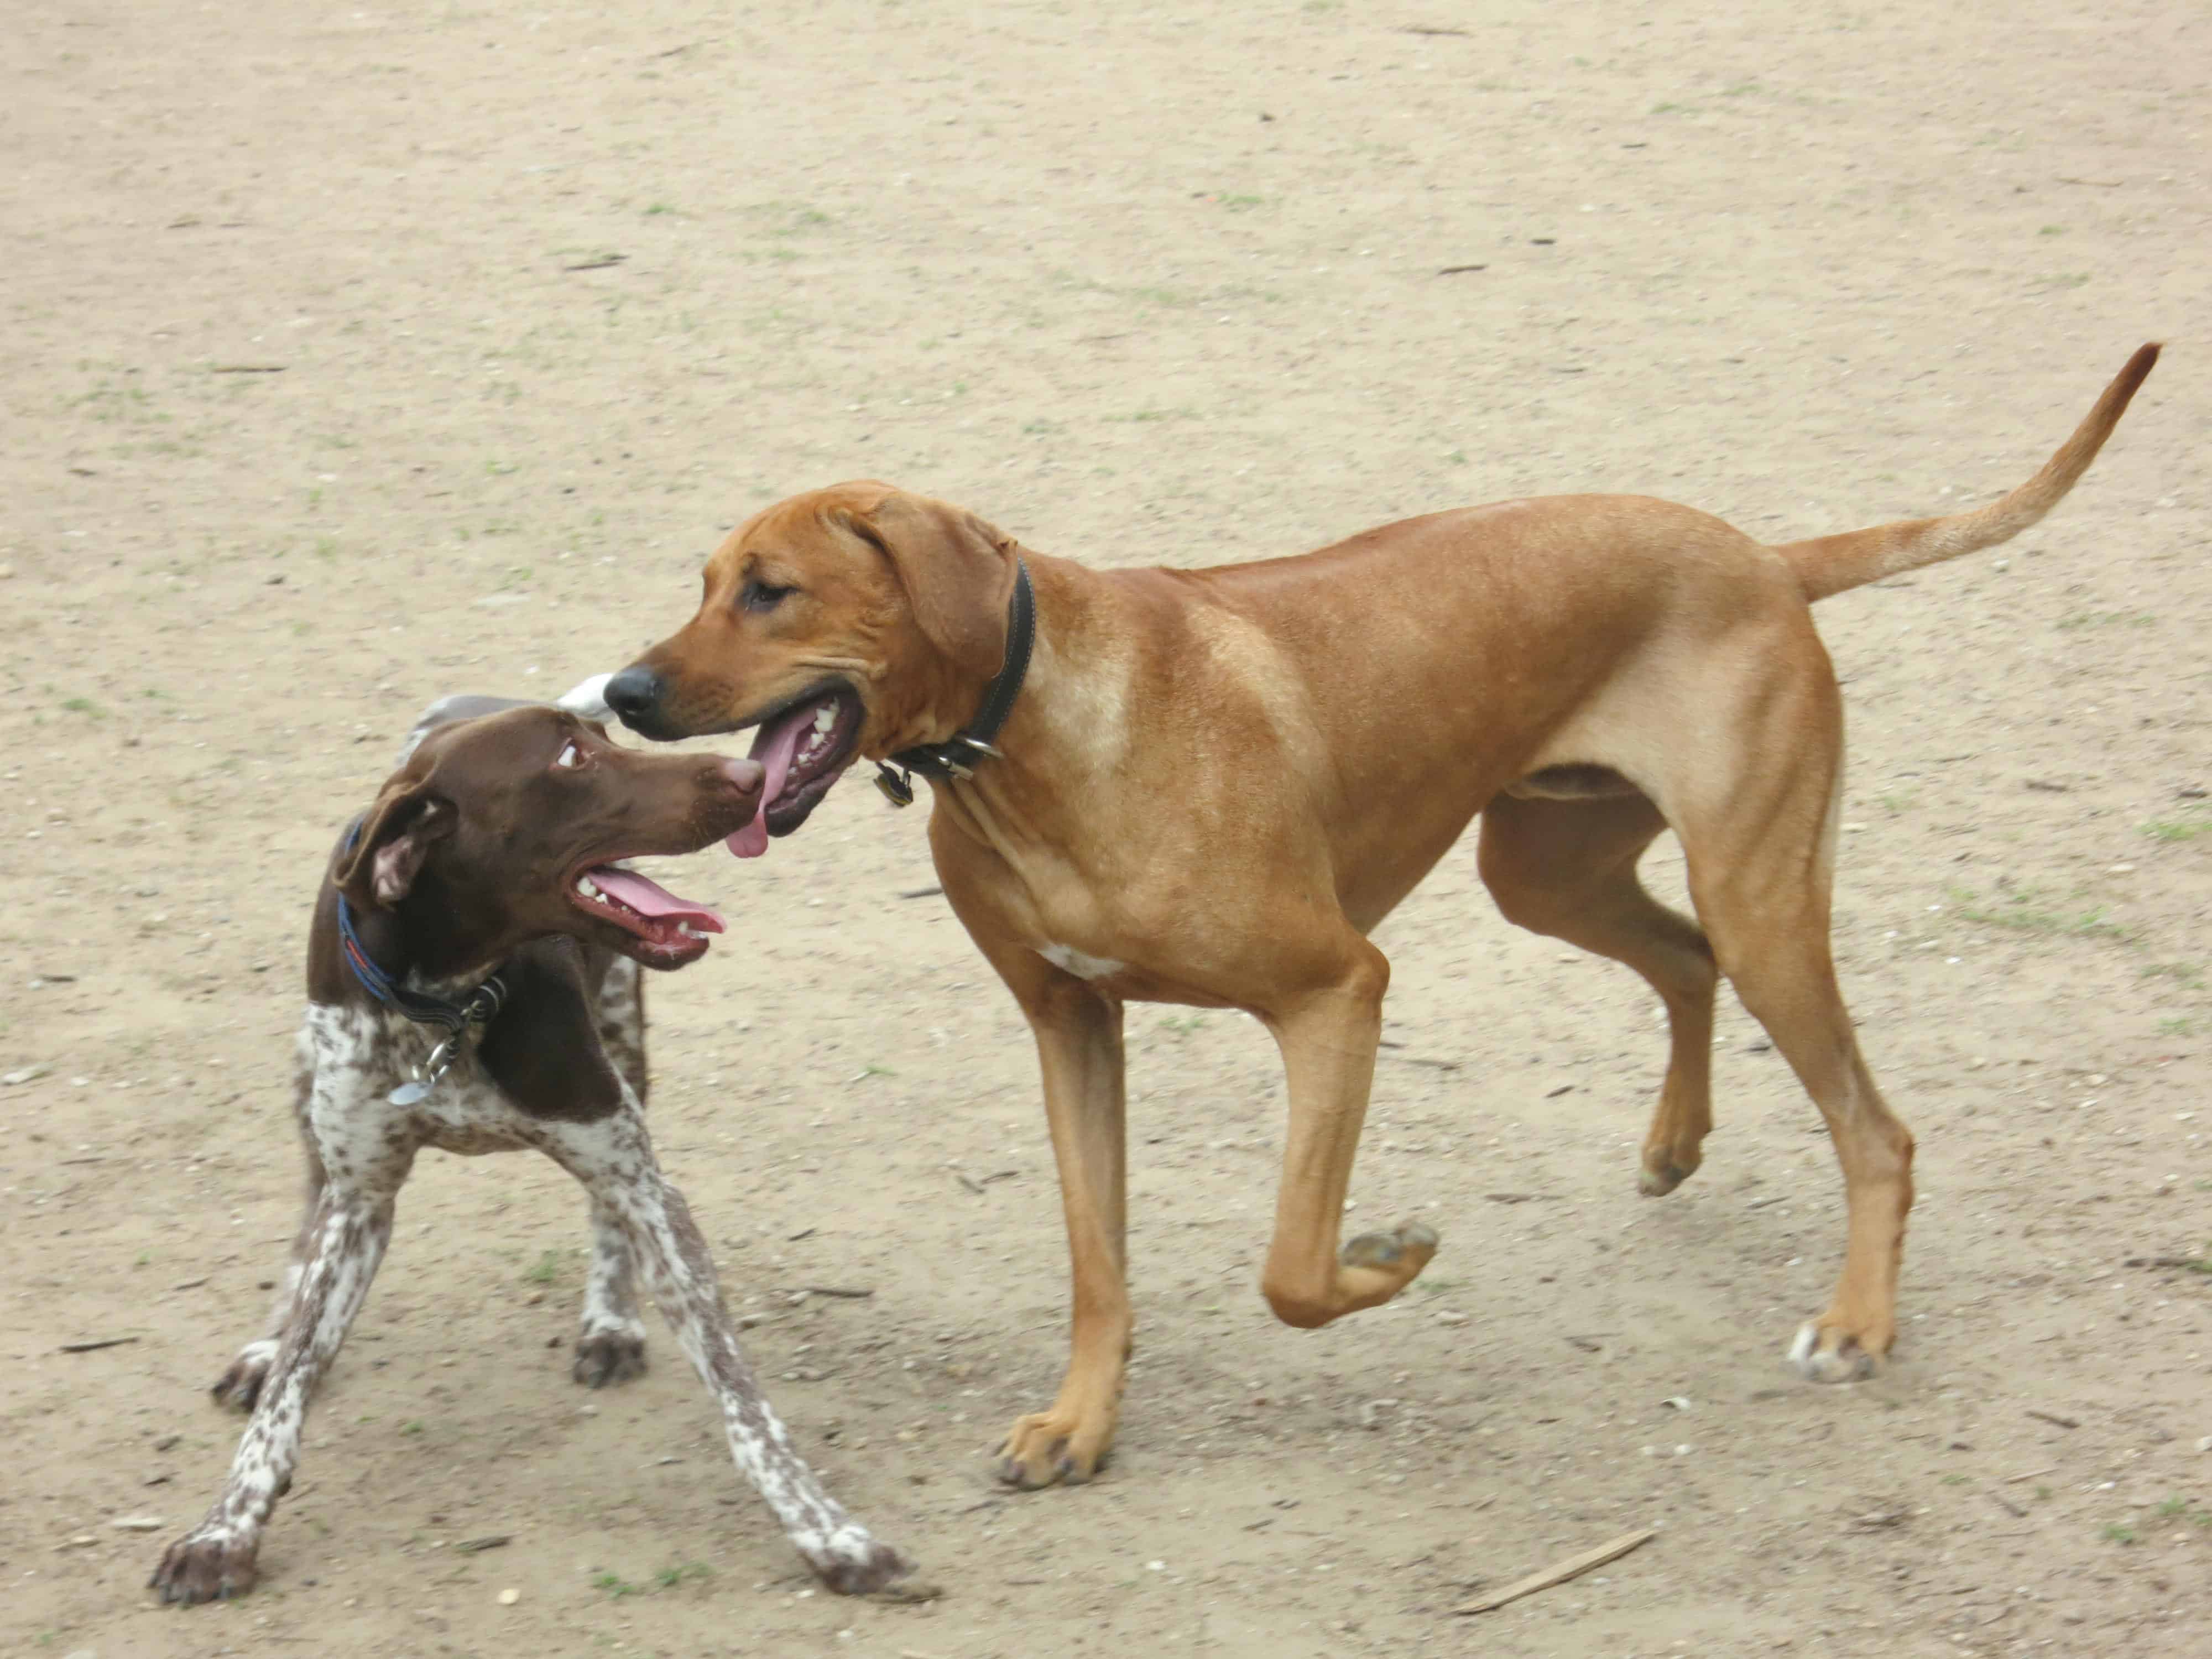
(354, 356)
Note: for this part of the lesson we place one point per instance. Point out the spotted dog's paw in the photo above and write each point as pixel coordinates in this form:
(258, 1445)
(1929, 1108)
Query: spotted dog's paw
(854, 1562)
(209, 1565)
(609, 1356)
(239, 1388)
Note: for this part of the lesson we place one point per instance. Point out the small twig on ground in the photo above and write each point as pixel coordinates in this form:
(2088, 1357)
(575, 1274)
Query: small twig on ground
(847, 1292)
(104, 1342)
(497, 1541)
(249, 368)
(190, 1284)
(1460, 271)
(2014, 1479)
(971, 1184)
(1573, 1567)
(922, 892)
(2053, 1417)
(598, 264)
(1418, 1059)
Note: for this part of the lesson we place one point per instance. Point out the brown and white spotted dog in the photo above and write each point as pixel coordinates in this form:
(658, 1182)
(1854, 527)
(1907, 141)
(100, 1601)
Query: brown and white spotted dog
(485, 882)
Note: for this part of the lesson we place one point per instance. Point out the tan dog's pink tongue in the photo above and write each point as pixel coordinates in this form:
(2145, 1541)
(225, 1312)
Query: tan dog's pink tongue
(773, 749)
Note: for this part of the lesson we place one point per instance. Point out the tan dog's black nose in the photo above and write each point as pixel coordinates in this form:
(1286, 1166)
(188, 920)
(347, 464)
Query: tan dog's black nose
(634, 694)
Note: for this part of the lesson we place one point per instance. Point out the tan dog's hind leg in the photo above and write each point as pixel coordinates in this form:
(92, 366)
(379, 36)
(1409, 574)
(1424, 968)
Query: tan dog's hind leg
(1567, 869)
(1328, 1039)
(1758, 830)
(1079, 1038)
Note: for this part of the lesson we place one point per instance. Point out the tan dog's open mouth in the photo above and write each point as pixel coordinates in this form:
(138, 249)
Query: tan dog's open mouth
(803, 747)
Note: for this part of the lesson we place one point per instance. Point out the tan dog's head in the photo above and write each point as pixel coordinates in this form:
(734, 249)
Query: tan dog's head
(854, 621)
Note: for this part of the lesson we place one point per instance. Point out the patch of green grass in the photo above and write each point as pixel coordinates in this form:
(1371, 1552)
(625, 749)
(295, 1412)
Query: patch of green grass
(1239, 203)
(2063, 279)
(547, 1269)
(2179, 1026)
(2043, 1494)
(2052, 230)
(2116, 1534)
(85, 706)
(2106, 619)
(670, 1577)
(2195, 821)
(1956, 1480)
(2017, 910)
(1183, 1025)
(617, 1586)
(413, 1427)
(2188, 978)
(1144, 416)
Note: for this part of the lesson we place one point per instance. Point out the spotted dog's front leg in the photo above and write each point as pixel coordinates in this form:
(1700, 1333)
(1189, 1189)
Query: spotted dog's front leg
(614, 1159)
(610, 1347)
(215, 1559)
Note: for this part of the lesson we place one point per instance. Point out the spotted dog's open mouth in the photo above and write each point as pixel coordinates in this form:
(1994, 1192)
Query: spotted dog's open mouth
(666, 931)
(803, 747)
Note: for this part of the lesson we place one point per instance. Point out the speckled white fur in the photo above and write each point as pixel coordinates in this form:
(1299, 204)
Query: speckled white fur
(353, 1057)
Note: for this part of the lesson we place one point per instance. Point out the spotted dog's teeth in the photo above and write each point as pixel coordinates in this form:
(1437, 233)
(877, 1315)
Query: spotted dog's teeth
(689, 931)
(586, 887)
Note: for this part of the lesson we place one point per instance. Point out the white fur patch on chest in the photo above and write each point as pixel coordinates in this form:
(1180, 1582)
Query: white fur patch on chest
(1069, 960)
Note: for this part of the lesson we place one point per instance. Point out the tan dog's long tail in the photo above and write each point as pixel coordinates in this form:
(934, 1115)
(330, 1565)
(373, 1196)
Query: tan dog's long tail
(1832, 564)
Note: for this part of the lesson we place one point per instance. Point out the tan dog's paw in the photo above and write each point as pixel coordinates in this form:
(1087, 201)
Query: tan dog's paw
(1406, 1248)
(1046, 1448)
(1662, 1174)
(1826, 1353)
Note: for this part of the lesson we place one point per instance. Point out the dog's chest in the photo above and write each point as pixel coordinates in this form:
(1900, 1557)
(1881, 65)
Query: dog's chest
(359, 1057)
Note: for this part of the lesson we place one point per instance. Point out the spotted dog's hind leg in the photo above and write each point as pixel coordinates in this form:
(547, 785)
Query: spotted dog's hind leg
(610, 1347)
(239, 1387)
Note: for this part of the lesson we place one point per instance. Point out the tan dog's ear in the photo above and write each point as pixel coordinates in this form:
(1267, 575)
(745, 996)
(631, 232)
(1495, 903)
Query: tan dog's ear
(958, 571)
(381, 866)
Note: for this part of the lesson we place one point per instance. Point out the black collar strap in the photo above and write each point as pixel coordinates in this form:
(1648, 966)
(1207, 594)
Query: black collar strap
(957, 758)
(479, 1008)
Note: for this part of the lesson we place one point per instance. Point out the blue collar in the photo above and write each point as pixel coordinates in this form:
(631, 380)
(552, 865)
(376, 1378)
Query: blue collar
(479, 1008)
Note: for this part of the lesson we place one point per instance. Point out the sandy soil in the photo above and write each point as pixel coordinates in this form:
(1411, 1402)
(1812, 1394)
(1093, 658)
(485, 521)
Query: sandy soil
(357, 356)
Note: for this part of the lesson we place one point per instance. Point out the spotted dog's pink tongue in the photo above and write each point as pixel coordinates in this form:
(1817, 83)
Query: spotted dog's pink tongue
(773, 749)
(650, 899)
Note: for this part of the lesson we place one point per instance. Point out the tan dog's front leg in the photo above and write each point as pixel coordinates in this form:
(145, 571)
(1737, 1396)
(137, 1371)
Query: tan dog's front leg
(1079, 1038)
(1328, 1040)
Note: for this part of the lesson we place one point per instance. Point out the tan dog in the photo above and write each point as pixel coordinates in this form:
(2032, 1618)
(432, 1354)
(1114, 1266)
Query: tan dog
(1213, 783)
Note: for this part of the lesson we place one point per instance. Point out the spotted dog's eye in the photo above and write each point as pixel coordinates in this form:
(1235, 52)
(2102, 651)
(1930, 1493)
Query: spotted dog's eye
(571, 754)
(758, 595)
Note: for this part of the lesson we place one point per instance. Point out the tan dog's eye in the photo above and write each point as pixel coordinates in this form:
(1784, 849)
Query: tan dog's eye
(758, 595)
(570, 755)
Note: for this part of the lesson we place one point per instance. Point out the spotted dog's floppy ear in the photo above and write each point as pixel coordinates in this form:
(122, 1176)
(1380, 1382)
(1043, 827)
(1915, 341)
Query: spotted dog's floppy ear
(958, 573)
(380, 866)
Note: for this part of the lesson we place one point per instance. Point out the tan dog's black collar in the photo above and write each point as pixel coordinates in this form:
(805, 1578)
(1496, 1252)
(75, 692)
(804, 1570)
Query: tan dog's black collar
(956, 757)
